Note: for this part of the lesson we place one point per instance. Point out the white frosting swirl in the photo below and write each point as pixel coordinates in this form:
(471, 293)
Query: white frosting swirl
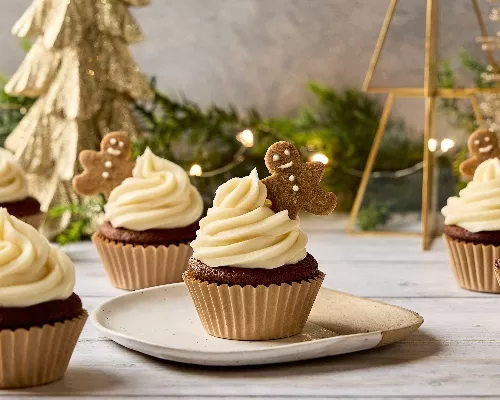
(477, 207)
(31, 270)
(241, 231)
(13, 184)
(159, 195)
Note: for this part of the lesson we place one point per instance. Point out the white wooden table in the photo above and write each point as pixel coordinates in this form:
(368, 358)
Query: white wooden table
(456, 353)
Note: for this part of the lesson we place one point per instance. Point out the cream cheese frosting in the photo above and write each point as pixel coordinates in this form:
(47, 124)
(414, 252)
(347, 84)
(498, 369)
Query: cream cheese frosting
(159, 195)
(31, 270)
(240, 230)
(477, 207)
(13, 184)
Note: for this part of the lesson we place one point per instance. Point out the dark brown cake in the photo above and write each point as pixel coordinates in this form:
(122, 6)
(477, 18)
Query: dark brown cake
(49, 312)
(485, 237)
(302, 271)
(150, 237)
(22, 208)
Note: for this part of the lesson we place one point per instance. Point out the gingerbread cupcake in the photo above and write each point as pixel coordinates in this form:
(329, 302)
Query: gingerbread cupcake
(40, 316)
(250, 276)
(472, 229)
(14, 192)
(150, 217)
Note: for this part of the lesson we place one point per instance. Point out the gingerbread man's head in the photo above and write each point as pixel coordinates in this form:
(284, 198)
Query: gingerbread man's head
(116, 144)
(282, 156)
(482, 143)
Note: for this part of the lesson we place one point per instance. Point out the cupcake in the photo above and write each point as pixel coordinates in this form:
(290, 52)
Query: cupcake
(250, 276)
(14, 192)
(472, 229)
(150, 220)
(40, 316)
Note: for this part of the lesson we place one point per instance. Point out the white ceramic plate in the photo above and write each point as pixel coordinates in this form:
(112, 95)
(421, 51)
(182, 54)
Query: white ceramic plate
(163, 323)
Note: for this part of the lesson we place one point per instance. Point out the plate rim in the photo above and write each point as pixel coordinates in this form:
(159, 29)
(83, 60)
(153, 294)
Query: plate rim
(110, 333)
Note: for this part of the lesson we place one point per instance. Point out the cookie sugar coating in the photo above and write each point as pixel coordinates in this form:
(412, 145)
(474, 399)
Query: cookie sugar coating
(106, 169)
(295, 185)
(482, 145)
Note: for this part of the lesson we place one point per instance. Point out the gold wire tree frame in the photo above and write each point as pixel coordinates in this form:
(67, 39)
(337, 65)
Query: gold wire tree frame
(431, 93)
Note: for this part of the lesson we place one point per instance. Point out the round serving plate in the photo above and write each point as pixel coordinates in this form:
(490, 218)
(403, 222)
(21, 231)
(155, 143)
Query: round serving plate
(162, 322)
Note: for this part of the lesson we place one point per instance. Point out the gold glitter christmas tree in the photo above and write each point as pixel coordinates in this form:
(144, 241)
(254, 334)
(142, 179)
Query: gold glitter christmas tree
(84, 76)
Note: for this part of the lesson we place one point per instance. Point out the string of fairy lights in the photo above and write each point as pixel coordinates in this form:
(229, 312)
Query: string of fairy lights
(246, 138)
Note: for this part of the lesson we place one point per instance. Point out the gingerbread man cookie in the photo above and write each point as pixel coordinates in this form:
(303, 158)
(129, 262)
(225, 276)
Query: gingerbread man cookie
(106, 169)
(483, 145)
(295, 185)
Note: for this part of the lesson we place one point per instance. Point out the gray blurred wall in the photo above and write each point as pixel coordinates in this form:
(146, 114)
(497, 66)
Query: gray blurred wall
(261, 53)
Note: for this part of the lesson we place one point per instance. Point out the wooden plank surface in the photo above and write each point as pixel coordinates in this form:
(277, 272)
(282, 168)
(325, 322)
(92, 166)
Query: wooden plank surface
(455, 354)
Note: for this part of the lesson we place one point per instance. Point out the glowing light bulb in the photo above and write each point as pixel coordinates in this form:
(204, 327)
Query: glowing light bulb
(195, 170)
(245, 137)
(447, 144)
(320, 157)
(432, 145)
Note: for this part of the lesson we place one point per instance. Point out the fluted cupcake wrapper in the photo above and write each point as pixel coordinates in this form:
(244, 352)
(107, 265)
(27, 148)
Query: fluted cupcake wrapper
(253, 313)
(473, 264)
(35, 220)
(39, 355)
(133, 267)
(497, 274)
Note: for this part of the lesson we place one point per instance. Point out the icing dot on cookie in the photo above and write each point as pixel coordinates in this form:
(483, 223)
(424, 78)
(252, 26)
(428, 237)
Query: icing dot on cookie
(108, 164)
(112, 141)
(287, 152)
(291, 178)
(487, 139)
(105, 175)
(295, 188)
(476, 141)
(121, 144)
(276, 157)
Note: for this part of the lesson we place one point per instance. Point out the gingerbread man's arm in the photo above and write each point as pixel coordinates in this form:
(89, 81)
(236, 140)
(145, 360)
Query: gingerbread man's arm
(468, 167)
(87, 158)
(314, 170)
(86, 183)
(82, 183)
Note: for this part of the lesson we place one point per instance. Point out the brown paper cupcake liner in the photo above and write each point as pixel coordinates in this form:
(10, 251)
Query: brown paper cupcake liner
(133, 267)
(497, 274)
(35, 220)
(39, 355)
(473, 264)
(253, 313)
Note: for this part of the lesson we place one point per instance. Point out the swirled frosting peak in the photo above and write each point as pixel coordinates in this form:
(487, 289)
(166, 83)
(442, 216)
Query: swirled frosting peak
(477, 207)
(241, 231)
(487, 171)
(13, 186)
(31, 270)
(159, 195)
